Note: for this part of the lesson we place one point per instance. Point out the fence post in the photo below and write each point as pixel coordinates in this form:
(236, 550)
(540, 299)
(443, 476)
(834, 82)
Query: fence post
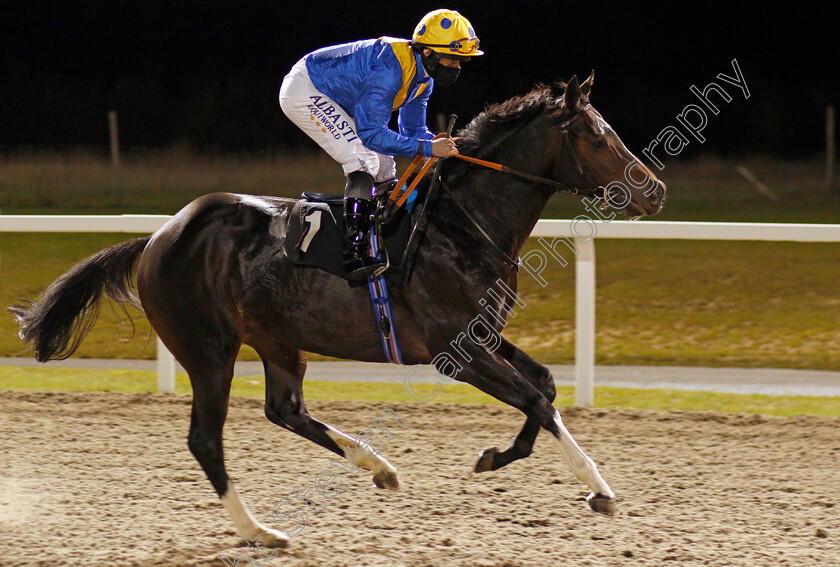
(585, 323)
(114, 136)
(829, 147)
(165, 369)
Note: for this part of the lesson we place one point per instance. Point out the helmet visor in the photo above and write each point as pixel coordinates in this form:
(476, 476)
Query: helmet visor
(466, 46)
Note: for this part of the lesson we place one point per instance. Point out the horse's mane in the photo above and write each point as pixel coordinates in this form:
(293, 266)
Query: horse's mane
(482, 132)
(498, 118)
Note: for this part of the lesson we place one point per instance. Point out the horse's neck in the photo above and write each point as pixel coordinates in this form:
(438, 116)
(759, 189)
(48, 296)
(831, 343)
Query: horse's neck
(505, 205)
(506, 209)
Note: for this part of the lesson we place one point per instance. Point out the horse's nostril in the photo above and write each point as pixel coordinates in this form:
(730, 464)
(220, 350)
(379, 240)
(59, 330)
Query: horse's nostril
(657, 192)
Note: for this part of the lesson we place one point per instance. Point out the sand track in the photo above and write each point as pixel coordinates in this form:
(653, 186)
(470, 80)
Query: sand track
(107, 479)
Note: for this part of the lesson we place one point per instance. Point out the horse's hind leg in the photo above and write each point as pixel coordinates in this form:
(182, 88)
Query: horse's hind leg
(211, 391)
(206, 346)
(538, 376)
(284, 406)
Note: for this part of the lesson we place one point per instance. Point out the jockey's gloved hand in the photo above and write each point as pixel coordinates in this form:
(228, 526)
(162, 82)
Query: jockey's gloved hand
(444, 147)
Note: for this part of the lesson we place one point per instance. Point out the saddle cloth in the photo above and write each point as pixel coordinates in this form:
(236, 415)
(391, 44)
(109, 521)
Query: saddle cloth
(316, 235)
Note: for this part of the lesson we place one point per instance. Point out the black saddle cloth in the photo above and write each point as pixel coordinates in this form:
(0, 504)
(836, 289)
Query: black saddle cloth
(316, 235)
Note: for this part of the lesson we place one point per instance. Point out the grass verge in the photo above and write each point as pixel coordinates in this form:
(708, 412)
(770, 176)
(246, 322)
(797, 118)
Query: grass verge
(51, 379)
(659, 302)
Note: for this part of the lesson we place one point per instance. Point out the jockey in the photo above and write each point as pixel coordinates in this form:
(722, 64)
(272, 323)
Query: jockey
(343, 97)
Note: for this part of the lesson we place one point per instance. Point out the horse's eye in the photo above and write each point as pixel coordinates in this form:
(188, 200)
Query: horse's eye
(600, 143)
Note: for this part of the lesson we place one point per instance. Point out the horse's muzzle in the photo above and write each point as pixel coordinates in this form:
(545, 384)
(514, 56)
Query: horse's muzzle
(655, 199)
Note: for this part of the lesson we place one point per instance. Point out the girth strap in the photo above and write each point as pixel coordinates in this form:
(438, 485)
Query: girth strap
(381, 303)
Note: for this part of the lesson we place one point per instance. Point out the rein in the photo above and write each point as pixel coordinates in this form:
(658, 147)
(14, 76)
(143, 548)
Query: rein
(564, 127)
(396, 199)
(394, 203)
(517, 173)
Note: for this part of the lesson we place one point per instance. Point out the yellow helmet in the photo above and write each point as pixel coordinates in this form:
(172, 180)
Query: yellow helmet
(447, 33)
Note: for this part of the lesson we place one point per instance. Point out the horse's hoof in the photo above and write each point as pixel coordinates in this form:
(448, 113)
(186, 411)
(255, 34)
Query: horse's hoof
(273, 538)
(387, 479)
(485, 459)
(602, 504)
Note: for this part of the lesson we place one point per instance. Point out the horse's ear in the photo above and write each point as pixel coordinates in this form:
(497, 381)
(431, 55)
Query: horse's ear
(586, 87)
(571, 98)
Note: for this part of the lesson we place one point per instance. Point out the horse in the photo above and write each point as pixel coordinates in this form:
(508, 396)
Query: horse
(215, 276)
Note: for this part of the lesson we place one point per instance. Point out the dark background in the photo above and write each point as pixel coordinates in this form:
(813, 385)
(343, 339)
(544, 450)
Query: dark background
(206, 73)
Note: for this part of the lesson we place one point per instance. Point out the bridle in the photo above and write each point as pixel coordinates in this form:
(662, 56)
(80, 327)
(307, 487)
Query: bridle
(397, 198)
(565, 140)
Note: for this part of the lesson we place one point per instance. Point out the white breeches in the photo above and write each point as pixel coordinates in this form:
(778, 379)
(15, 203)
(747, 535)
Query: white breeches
(332, 128)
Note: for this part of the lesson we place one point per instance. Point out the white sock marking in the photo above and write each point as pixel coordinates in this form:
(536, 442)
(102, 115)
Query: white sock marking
(247, 526)
(375, 463)
(583, 467)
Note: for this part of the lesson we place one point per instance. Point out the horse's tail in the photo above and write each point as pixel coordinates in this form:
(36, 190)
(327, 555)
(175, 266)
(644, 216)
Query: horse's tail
(65, 312)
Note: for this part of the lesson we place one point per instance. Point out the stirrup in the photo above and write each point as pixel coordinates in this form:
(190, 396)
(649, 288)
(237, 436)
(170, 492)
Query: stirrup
(361, 267)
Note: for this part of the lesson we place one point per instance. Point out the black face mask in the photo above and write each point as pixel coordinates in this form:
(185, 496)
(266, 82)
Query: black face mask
(444, 76)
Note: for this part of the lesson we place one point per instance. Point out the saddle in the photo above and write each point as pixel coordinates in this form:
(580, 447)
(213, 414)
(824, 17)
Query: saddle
(316, 234)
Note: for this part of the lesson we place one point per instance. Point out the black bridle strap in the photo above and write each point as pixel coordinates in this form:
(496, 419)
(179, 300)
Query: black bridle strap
(515, 172)
(477, 226)
(572, 149)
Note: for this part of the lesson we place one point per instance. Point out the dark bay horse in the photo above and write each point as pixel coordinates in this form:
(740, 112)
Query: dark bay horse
(215, 277)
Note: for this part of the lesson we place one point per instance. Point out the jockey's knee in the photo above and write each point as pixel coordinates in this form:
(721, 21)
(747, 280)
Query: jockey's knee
(387, 168)
(378, 166)
(362, 160)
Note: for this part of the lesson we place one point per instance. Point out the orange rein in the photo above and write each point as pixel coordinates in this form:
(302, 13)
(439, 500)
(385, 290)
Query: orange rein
(490, 164)
(396, 204)
(414, 183)
(392, 198)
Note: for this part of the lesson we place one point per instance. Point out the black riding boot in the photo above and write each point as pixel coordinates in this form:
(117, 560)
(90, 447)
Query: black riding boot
(358, 263)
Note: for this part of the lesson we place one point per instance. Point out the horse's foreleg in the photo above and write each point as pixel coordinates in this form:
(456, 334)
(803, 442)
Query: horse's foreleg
(602, 498)
(285, 407)
(540, 377)
(491, 374)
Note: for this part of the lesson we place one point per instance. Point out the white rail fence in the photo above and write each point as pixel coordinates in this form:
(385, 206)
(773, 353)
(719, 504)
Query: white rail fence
(583, 236)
